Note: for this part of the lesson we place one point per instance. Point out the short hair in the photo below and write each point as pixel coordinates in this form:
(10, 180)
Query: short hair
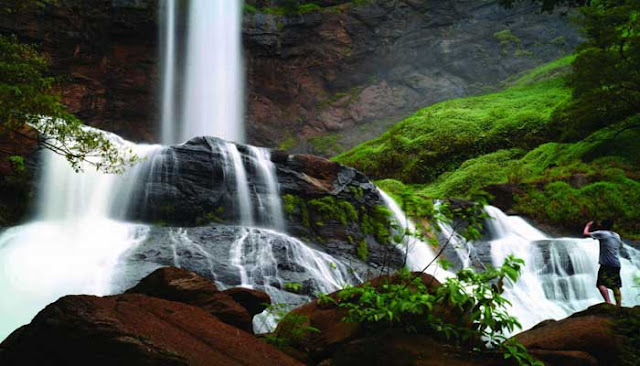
(607, 224)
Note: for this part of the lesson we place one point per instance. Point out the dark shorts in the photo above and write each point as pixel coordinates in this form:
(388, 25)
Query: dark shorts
(609, 277)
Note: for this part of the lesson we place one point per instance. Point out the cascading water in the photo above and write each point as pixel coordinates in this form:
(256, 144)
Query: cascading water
(74, 245)
(559, 275)
(419, 255)
(270, 206)
(169, 65)
(213, 72)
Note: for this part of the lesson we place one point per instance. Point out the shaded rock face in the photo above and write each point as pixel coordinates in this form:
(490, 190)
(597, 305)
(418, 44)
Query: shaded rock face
(600, 335)
(181, 285)
(371, 65)
(237, 256)
(194, 184)
(307, 74)
(133, 329)
(104, 53)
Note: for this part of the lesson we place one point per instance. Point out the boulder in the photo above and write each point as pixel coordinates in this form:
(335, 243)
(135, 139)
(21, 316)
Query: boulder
(333, 333)
(181, 285)
(132, 329)
(600, 335)
(253, 301)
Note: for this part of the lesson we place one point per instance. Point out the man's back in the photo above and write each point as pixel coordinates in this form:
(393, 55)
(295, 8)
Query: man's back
(610, 244)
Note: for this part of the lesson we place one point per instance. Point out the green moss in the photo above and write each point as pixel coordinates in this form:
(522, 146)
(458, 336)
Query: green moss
(287, 143)
(506, 38)
(362, 251)
(377, 222)
(331, 208)
(295, 206)
(439, 138)
(248, 8)
(325, 145)
(211, 217)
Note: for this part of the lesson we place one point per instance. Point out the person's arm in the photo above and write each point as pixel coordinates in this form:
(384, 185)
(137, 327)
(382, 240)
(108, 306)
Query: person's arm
(587, 227)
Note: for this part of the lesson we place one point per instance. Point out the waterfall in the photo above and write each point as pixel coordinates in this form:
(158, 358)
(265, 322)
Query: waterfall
(419, 254)
(168, 61)
(270, 205)
(559, 275)
(74, 244)
(245, 207)
(213, 86)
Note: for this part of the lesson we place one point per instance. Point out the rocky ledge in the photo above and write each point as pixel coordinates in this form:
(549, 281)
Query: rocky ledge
(173, 317)
(323, 202)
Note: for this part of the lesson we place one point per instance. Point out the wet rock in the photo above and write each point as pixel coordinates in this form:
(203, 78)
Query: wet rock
(132, 329)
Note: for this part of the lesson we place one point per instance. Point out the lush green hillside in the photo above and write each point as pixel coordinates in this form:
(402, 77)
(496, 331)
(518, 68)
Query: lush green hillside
(458, 148)
(441, 137)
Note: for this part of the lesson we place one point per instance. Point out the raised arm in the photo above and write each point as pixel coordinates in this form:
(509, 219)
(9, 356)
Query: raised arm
(587, 227)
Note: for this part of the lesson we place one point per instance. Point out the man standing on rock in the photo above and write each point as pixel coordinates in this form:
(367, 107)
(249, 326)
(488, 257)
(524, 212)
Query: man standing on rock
(609, 272)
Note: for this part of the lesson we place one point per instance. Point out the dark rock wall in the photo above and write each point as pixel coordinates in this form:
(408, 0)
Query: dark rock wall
(307, 74)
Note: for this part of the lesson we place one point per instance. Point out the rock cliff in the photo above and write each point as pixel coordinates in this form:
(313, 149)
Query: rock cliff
(349, 67)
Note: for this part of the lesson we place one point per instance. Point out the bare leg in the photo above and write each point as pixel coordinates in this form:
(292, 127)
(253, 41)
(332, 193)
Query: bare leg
(618, 296)
(605, 293)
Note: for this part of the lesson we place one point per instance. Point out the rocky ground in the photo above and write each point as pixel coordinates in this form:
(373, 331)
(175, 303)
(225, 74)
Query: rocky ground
(174, 317)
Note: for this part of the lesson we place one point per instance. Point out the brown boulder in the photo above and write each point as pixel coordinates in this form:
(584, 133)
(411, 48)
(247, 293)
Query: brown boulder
(397, 347)
(253, 301)
(178, 284)
(600, 335)
(132, 329)
(333, 332)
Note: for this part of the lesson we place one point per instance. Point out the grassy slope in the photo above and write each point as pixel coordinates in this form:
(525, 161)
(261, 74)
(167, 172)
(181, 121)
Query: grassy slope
(468, 144)
(439, 138)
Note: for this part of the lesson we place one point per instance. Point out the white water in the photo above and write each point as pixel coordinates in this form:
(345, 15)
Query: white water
(168, 61)
(73, 246)
(546, 289)
(270, 206)
(419, 255)
(245, 206)
(213, 91)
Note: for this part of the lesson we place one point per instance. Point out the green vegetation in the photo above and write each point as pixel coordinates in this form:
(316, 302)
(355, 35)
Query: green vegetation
(567, 141)
(26, 97)
(439, 138)
(316, 213)
(467, 309)
(293, 7)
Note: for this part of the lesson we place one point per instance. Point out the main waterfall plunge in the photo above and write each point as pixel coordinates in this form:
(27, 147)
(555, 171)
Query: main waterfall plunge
(82, 239)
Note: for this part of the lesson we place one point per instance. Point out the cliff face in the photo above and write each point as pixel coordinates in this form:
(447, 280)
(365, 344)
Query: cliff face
(357, 69)
(346, 69)
(104, 55)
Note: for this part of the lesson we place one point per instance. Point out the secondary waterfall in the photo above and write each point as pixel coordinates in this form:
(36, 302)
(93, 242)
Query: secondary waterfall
(559, 276)
(419, 255)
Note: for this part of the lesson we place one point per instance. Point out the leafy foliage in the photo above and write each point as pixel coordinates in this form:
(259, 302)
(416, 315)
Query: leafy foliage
(292, 327)
(467, 309)
(606, 76)
(26, 97)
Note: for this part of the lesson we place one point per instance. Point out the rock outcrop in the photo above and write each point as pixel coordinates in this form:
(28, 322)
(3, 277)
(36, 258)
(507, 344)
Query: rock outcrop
(600, 335)
(181, 285)
(134, 329)
(325, 202)
(336, 342)
(349, 64)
